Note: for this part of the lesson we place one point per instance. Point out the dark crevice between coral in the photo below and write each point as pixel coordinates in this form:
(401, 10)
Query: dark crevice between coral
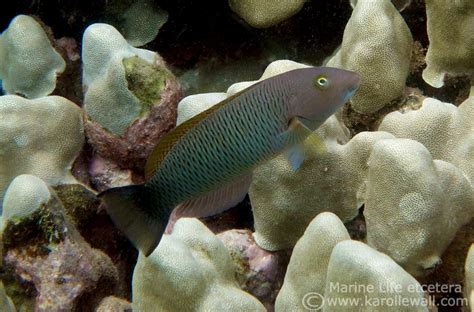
(451, 269)
(238, 217)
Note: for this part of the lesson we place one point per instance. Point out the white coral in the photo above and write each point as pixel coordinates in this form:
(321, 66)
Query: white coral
(266, 13)
(194, 265)
(28, 63)
(285, 201)
(445, 130)
(362, 275)
(410, 197)
(41, 137)
(450, 26)
(306, 272)
(108, 100)
(377, 44)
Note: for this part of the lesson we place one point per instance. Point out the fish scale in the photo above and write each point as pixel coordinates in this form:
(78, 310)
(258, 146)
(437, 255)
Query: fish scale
(214, 163)
(204, 166)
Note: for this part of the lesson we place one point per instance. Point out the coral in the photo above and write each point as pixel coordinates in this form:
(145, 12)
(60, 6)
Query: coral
(306, 272)
(409, 198)
(284, 201)
(108, 99)
(264, 14)
(114, 304)
(399, 4)
(469, 273)
(28, 62)
(377, 44)
(258, 271)
(26, 193)
(42, 248)
(138, 21)
(195, 264)
(382, 280)
(6, 304)
(40, 137)
(444, 129)
(130, 99)
(194, 104)
(450, 27)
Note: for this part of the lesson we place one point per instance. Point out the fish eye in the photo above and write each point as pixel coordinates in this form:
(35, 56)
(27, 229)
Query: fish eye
(321, 82)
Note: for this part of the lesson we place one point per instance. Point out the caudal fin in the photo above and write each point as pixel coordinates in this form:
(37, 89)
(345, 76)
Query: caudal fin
(134, 212)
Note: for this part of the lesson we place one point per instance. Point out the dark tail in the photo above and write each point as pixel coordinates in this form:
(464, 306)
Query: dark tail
(136, 213)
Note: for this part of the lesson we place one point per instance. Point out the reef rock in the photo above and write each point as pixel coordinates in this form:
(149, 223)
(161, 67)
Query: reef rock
(258, 271)
(43, 249)
(130, 97)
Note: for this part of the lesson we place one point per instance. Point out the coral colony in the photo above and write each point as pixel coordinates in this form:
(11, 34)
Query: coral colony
(375, 215)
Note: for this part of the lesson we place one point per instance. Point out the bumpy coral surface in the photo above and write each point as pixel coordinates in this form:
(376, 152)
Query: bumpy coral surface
(450, 28)
(263, 14)
(306, 272)
(197, 103)
(108, 99)
(193, 263)
(131, 97)
(6, 304)
(377, 44)
(28, 62)
(383, 280)
(410, 197)
(445, 130)
(284, 201)
(469, 273)
(139, 22)
(40, 137)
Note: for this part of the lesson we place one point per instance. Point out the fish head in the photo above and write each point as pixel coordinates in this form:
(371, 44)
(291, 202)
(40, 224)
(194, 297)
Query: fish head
(319, 92)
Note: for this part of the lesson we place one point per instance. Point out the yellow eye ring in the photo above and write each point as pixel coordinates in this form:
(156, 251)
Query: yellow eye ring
(321, 82)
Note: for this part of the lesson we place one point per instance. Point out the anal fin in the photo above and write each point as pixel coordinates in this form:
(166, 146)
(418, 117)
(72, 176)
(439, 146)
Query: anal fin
(217, 201)
(130, 208)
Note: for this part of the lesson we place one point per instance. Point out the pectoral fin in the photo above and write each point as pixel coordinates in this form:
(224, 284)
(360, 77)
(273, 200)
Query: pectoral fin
(296, 156)
(302, 141)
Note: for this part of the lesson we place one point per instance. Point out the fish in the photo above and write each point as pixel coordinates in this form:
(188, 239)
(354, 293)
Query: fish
(204, 166)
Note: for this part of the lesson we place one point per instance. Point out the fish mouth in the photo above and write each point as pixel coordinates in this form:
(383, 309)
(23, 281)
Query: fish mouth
(349, 93)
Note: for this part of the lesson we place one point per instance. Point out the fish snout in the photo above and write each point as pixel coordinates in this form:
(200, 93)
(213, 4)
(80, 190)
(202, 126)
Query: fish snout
(353, 84)
(354, 81)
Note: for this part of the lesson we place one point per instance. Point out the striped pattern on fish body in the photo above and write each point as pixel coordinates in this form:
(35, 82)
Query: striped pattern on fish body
(204, 165)
(242, 133)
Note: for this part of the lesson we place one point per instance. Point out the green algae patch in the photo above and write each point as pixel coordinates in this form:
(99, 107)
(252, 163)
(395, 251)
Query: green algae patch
(45, 226)
(146, 81)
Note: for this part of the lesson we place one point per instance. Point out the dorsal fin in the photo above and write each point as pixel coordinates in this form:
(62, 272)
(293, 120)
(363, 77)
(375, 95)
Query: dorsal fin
(164, 145)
